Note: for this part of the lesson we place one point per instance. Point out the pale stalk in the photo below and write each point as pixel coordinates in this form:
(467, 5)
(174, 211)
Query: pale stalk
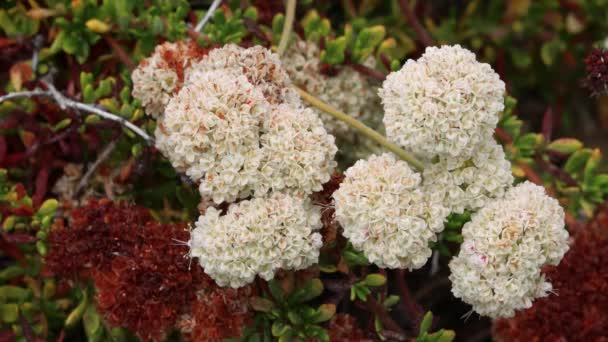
(361, 127)
(290, 13)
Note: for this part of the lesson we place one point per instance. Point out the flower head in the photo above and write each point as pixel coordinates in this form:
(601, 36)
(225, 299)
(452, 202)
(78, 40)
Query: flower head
(579, 311)
(498, 269)
(297, 153)
(257, 237)
(157, 78)
(445, 103)
(210, 131)
(261, 67)
(469, 183)
(385, 213)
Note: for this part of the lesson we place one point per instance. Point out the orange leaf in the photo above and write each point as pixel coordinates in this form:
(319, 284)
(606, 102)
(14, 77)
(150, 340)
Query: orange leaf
(19, 73)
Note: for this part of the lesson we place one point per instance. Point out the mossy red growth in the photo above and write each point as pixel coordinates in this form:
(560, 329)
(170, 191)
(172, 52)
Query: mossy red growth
(147, 291)
(344, 327)
(578, 311)
(596, 65)
(97, 232)
(218, 314)
(140, 268)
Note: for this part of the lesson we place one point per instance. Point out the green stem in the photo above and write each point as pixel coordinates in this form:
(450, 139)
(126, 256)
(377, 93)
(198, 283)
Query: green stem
(290, 13)
(358, 125)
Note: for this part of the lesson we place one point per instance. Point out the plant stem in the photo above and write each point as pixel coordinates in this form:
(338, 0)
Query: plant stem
(422, 33)
(358, 125)
(290, 13)
(65, 102)
(203, 22)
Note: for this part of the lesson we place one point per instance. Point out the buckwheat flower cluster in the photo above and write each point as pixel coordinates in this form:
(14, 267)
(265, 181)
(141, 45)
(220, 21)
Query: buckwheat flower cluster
(235, 129)
(262, 68)
(506, 243)
(384, 212)
(157, 78)
(348, 90)
(210, 131)
(257, 237)
(445, 103)
(469, 183)
(297, 151)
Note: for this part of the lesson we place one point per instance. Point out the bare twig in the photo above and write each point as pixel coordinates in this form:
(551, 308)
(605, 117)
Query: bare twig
(65, 102)
(423, 35)
(100, 159)
(385, 318)
(413, 309)
(38, 41)
(203, 22)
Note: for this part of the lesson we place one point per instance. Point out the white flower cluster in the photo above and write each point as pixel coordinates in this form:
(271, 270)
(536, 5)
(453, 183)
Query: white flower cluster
(498, 269)
(235, 128)
(348, 91)
(297, 152)
(384, 212)
(443, 104)
(257, 237)
(469, 183)
(157, 78)
(232, 123)
(262, 68)
(210, 131)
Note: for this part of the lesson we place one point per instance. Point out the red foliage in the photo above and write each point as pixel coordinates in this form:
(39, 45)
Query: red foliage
(578, 311)
(596, 65)
(147, 291)
(344, 327)
(97, 233)
(323, 198)
(217, 314)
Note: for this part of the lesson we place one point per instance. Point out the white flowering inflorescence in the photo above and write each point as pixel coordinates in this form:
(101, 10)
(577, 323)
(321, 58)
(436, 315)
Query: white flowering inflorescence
(257, 237)
(385, 213)
(157, 78)
(297, 152)
(506, 243)
(225, 129)
(262, 68)
(348, 90)
(469, 183)
(445, 103)
(210, 131)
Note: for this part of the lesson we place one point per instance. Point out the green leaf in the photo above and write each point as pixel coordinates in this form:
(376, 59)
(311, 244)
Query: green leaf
(334, 51)
(375, 280)
(577, 160)
(366, 42)
(391, 301)
(310, 290)
(550, 51)
(591, 166)
(10, 293)
(324, 313)
(48, 207)
(426, 323)
(92, 323)
(11, 272)
(280, 329)
(565, 145)
(9, 313)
